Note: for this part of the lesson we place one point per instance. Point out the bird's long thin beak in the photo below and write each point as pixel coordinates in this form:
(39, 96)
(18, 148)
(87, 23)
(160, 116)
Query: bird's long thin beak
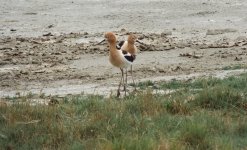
(101, 42)
(140, 42)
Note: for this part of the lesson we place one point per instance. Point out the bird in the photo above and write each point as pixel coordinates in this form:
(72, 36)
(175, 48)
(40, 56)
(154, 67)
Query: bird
(130, 47)
(119, 58)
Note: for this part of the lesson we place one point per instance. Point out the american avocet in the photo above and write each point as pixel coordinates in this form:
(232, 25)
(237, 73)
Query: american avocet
(119, 58)
(130, 47)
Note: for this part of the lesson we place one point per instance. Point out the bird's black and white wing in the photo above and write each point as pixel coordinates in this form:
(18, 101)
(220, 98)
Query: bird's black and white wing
(120, 44)
(128, 56)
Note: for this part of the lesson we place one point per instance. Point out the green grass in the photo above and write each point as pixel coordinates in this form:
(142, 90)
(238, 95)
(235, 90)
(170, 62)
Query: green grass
(235, 67)
(213, 117)
(236, 82)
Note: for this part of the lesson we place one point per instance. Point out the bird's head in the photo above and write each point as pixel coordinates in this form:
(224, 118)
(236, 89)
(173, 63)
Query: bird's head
(110, 37)
(132, 38)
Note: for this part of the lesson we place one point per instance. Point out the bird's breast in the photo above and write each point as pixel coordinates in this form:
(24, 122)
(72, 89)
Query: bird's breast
(117, 59)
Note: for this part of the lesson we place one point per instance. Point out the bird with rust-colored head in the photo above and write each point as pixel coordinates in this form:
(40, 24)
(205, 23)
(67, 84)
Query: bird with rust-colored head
(119, 58)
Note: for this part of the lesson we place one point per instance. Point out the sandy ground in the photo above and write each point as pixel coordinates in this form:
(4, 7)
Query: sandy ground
(49, 46)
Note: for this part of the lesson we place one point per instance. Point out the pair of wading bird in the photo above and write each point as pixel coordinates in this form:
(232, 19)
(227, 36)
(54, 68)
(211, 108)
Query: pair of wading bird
(122, 56)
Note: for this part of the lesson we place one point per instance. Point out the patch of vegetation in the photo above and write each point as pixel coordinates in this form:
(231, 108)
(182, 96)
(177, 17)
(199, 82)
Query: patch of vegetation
(236, 82)
(143, 85)
(220, 98)
(235, 67)
(195, 135)
(213, 117)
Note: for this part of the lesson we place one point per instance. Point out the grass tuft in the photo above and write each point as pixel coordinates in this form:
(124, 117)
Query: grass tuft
(177, 107)
(220, 98)
(195, 136)
(234, 67)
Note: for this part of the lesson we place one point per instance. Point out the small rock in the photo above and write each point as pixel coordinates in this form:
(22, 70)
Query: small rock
(96, 48)
(31, 52)
(12, 30)
(48, 34)
(85, 33)
(40, 71)
(223, 56)
(238, 58)
(21, 39)
(100, 78)
(185, 55)
(35, 62)
(240, 41)
(177, 68)
(197, 56)
(123, 30)
(165, 33)
(23, 72)
(142, 47)
(50, 26)
(141, 37)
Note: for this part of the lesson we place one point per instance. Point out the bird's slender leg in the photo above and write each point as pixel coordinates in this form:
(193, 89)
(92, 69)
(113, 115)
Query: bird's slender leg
(125, 85)
(132, 77)
(125, 79)
(122, 79)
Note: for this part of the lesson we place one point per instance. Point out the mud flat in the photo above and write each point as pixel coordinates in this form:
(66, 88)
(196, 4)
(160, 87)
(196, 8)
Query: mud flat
(34, 18)
(107, 89)
(50, 46)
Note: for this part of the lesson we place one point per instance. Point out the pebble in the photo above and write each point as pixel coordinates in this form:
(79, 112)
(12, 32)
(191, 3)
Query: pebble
(165, 33)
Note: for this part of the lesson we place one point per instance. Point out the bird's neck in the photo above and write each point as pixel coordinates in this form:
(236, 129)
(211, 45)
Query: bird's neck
(112, 46)
(131, 48)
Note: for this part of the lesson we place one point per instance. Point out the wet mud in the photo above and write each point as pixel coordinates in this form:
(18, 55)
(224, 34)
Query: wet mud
(53, 45)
